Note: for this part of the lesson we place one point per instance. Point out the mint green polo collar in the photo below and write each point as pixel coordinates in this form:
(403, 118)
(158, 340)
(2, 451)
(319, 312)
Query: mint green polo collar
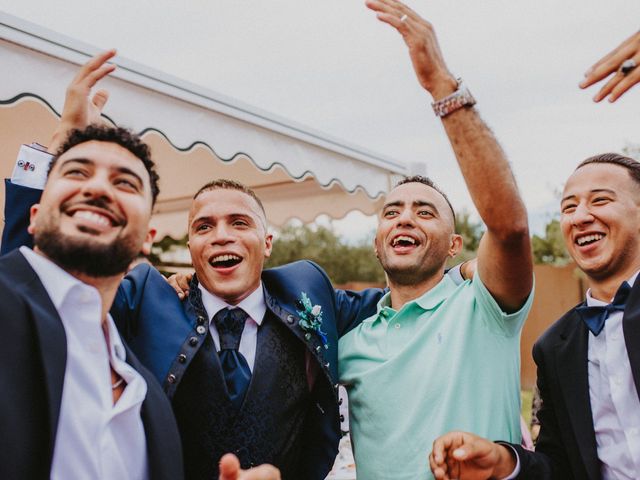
(428, 301)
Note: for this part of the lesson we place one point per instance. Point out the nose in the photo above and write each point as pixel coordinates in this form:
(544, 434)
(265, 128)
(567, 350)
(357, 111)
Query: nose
(581, 215)
(405, 218)
(98, 187)
(222, 234)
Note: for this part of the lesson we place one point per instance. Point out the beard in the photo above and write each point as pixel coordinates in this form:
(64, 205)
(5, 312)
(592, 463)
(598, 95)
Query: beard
(85, 256)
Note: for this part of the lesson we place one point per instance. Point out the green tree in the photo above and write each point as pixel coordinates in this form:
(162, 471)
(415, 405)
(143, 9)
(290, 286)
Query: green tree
(471, 233)
(342, 262)
(550, 249)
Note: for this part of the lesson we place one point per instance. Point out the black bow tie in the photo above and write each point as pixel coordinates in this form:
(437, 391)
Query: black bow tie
(594, 317)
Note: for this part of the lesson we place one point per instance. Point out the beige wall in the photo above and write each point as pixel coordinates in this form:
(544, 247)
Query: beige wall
(558, 289)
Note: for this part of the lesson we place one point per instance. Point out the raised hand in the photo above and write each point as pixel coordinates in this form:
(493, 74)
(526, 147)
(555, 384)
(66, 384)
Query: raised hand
(464, 456)
(230, 470)
(610, 67)
(80, 108)
(420, 37)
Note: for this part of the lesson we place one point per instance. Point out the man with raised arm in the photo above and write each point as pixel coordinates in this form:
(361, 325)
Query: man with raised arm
(435, 353)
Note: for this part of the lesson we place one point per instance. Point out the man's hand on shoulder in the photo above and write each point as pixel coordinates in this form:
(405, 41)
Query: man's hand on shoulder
(180, 283)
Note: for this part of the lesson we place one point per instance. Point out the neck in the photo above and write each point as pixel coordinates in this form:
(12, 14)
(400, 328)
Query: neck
(402, 293)
(604, 289)
(106, 286)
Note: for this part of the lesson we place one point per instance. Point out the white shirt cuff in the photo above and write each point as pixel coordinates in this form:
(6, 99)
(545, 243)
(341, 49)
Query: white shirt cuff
(32, 166)
(516, 471)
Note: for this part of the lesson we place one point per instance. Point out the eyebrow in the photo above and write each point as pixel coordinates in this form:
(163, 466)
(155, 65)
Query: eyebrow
(87, 161)
(417, 203)
(595, 190)
(231, 216)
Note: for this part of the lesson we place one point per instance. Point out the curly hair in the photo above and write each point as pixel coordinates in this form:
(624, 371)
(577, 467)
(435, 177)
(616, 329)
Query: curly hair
(120, 136)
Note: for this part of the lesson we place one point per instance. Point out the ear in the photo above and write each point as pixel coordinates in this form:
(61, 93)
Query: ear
(33, 213)
(148, 241)
(456, 245)
(268, 245)
(375, 247)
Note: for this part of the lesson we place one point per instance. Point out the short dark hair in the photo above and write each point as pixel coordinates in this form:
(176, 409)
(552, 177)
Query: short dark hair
(120, 136)
(223, 183)
(429, 183)
(632, 166)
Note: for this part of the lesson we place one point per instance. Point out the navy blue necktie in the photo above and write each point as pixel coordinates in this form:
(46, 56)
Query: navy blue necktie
(237, 373)
(595, 317)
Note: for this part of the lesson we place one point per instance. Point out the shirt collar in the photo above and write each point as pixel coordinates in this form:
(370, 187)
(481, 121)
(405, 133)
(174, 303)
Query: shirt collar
(116, 347)
(254, 305)
(56, 281)
(427, 301)
(594, 302)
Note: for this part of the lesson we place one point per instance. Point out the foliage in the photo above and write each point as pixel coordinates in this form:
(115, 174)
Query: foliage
(471, 233)
(342, 262)
(550, 249)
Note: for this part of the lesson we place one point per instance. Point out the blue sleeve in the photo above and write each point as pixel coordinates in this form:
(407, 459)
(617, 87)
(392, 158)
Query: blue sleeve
(129, 298)
(354, 307)
(18, 201)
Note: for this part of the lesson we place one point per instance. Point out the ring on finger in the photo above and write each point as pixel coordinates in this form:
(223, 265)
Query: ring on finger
(404, 17)
(627, 66)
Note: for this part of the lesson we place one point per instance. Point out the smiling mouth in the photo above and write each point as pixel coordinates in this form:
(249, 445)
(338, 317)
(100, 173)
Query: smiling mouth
(589, 239)
(93, 217)
(225, 261)
(404, 241)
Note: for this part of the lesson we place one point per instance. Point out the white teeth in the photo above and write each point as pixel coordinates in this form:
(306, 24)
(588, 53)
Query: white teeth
(225, 258)
(589, 238)
(403, 238)
(93, 217)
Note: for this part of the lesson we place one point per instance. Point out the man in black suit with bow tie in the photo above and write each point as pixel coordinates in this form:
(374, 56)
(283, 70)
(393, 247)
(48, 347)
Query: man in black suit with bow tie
(589, 360)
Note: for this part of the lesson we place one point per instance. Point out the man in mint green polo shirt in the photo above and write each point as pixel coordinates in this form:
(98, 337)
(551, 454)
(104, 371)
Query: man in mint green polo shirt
(439, 356)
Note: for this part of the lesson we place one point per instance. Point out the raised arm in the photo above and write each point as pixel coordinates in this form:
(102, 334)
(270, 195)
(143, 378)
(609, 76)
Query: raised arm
(504, 257)
(25, 186)
(81, 108)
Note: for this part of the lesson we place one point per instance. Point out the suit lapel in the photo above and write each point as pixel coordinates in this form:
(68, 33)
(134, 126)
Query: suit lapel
(49, 328)
(572, 370)
(311, 340)
(631, 329)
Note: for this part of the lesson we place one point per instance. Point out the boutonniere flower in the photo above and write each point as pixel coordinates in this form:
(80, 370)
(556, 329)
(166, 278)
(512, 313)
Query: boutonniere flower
(311, 318)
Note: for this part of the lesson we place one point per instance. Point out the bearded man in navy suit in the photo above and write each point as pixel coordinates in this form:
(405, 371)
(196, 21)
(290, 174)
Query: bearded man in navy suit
(249, 358)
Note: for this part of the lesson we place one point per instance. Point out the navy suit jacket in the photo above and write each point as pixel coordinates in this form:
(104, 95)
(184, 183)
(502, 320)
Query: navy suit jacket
(32, 365)
(161, 329)
(566, 447)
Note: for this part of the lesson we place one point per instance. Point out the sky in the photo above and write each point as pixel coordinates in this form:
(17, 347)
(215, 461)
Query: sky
(332, 66)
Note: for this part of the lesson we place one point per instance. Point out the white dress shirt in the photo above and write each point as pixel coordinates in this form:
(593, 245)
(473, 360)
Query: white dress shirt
(615, 406)
(254, 306)
(95, 438)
